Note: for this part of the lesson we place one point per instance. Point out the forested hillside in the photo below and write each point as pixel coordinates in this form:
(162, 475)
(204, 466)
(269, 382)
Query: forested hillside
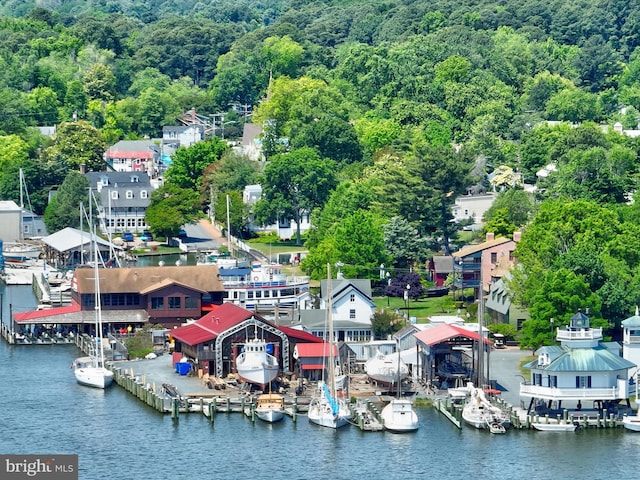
(376, 115)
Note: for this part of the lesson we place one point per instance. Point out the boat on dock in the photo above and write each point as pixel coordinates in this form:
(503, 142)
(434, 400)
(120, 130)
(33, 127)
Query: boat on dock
(385, 369)
(270, 407)
(255, 365)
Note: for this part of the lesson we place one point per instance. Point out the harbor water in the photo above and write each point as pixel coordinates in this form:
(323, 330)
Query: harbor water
(44, 411)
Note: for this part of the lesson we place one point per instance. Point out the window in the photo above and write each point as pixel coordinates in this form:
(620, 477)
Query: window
(352, 297)
(537, 379)
(143, 194)
(553, 381)
(175, 303)
(494, 257)
(583, 381)
(129, 194)
(114, 194)
(135, 179)
(352, 314)
(190, 302)
(157, 303)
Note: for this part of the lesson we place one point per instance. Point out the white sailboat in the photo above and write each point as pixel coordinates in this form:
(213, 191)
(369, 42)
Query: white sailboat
(398, 415)
(91, 371)
(326, 408)
(384, 370)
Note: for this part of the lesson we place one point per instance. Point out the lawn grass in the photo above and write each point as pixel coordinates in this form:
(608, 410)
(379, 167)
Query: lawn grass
(422, 308)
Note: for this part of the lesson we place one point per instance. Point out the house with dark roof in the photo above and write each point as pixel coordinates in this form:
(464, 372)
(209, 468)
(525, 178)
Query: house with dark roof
(124, 199)
(352, 307)
(439, 268)
(213, 342)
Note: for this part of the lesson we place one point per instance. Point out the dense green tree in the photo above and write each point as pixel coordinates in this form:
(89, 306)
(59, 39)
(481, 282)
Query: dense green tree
(77, 143)
(514, 205)
(170, 208)
(294, 184)
(403, 244)
(189, 163)
(64, 209)
(238, 213)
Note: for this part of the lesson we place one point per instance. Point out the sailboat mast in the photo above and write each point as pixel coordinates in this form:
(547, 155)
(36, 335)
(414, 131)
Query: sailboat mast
(332, 385)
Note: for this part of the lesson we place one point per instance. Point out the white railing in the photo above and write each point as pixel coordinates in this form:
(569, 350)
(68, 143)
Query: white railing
(582, 334)
(553, 393)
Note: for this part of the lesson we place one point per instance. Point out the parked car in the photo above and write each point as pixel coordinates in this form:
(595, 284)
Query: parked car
(146, 236)
(127, 237)
(182, 233)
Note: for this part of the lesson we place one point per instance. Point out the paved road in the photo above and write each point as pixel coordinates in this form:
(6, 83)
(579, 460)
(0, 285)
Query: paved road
(505, 370)
(202, 237)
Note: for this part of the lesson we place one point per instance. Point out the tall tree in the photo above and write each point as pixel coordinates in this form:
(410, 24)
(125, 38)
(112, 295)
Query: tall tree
(64, 209)
(190, 162)
(170, 208)
(294, 184)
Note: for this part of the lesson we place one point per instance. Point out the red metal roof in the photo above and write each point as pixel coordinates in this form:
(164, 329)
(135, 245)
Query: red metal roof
(307, 350)
(48, 312)
(299, 334)
(213, 324)
(440, 333)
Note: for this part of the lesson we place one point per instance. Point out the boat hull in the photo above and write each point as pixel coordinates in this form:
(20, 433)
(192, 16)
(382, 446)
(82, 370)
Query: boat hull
(260, 376)
(399, 417)
(96, 377)
(555, 427)
(270, 407)
(631, 423)
(320, 414)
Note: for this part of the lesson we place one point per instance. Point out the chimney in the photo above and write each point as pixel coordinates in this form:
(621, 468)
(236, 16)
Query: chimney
(490, 236)
(517, 236)
(83, 168)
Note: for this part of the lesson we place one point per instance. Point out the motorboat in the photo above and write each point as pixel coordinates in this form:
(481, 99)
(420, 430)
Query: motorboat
(255, 365)
(556, 426)
(479, 413)
(270, 407)
(17, 252)
(398, 415)
(631, 422)
(385, 369)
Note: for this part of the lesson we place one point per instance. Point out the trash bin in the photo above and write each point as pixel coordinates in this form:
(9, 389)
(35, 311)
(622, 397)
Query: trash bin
(183, 368)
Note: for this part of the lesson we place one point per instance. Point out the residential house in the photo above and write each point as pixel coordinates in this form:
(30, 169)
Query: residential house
(285, 228)
(213, 342)
(439, 267)
(10, 221)
(251, 144)
(473, 265)
(631, 339)
(499, 307)
(32, 225)
(582, 368)
(134, 156)
(472, 207)
(124, 199)
(183, 136)
(351, 310)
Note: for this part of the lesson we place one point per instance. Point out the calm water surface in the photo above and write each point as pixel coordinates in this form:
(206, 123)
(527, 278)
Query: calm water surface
(116, 436)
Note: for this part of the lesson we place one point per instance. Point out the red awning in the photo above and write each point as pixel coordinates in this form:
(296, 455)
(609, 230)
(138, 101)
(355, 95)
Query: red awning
(312, 366)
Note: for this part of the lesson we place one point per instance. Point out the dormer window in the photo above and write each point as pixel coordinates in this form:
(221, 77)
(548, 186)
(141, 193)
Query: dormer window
(114, 194)
(135, 179)
(129, 194)
(143, 194)
(104, 181)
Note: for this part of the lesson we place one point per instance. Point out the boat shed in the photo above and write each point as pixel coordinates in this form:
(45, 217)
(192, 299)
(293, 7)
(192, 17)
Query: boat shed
(213, 342)
(70, 247)
(448, 353)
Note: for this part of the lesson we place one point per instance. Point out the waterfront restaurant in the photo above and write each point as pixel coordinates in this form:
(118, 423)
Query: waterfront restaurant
(130, 297)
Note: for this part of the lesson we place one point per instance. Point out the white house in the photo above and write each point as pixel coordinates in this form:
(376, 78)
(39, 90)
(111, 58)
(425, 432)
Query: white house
(182, 135)
(10, 216)
(351, 309)
(472, 207)
(631, 340)
(582, 368)
(286, 228)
